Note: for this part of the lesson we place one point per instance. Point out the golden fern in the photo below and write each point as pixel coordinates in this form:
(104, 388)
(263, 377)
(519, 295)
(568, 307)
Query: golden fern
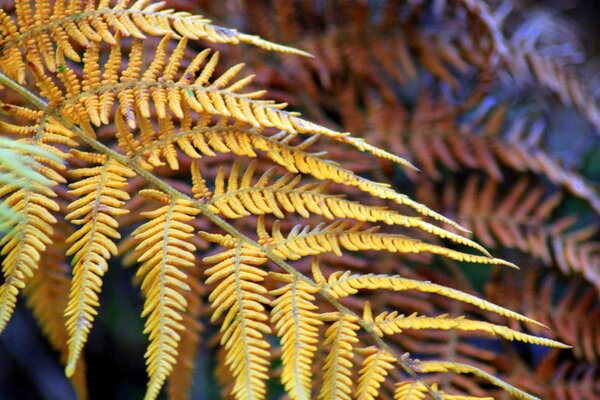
(93, 99)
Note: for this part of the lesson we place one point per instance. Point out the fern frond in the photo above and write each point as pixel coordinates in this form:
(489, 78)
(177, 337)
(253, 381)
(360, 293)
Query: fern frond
(18, 168)
(23, 251)
(458, 147)
(550, 72)
(303, 241)
(341, 338)
(344, 284)
(181, 377)
(47, 294)
(165, 250)
(31, 232)
(238, 198)
(241, 299)
(444, 366)
(11, 59)
(217, 98)
(100, 197)
(44, 28)
(296, 323)
(390, 323)
(154, 109)
(569, 309)
(522, 219)
(220, 97)
(416, 390)
(410, 390)
(295, 159)
(374, 370)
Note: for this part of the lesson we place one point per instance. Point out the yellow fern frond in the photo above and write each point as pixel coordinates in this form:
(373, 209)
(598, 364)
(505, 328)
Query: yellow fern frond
(303, 241)
(165, 250)
(47, 294)
(239, 198)
(296, 322)
(388, 323)
(431, 366)
(345, 283)
(295, 160)
(100, 198)
(341, 338)
(416, 390)
(375, 369)
(11, 59)
(30, 233)
(181, 378)
(410, 390)
(203, 140)
(221, 97)
(23, 251)
(240, 297)
(43, 29)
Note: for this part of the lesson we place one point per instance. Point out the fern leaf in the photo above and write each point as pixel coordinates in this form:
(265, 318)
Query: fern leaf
(522, 220)
(238, 198)
(445, 366)
(391, 323)
(410, 390)
(302, 241)
(181, 378)
(47, 294)
(219, 98)
(341, 337)
(416, 390)
(344, 284)
(165, 250)
(67, 28)
(30, 233)
(18, 168)
(100, 197)
(375, 369)
(11, 59)
(296, 324)
(241, 299)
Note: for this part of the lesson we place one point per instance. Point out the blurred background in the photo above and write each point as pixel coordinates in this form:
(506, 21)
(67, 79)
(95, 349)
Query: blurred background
(508, 147)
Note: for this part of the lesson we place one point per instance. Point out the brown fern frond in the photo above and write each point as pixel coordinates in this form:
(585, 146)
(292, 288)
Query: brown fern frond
(571, 311)
(521, 219)
(459, 147)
